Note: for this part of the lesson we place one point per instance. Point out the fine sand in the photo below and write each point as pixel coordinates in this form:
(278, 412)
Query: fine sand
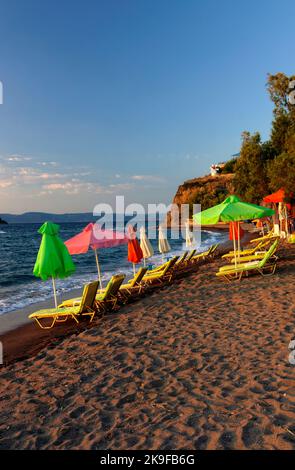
(200, 364)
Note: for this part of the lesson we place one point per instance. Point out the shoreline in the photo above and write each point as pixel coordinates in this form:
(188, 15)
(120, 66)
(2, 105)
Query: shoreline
(16, 324)
(16, 318)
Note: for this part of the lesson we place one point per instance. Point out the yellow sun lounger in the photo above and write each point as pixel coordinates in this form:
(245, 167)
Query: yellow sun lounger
(263, 267)
(58, 315)
(206, 254)
(103, 299)
(187, 262)
(135, 285)
(257, 256)
(251, 251)
(265, 237)
(162, 276)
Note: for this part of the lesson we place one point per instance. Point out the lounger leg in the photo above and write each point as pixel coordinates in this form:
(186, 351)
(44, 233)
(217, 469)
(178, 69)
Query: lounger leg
(62, 320)
(74, 318)
(46, 327)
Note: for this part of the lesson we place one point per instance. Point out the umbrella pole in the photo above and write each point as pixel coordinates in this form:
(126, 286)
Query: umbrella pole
(144, 262)
(54, 291)
(98, 269)
(235, 252)
(286, 222)
(239, 242)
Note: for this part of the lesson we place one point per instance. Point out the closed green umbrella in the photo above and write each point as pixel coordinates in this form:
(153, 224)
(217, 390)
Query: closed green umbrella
(53, 259)
(230, 210)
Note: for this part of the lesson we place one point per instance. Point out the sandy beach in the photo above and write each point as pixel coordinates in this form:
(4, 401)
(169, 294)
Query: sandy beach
(199, 364)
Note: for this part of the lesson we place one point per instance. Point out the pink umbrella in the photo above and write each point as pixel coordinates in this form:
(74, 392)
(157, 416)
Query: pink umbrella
(92, 236)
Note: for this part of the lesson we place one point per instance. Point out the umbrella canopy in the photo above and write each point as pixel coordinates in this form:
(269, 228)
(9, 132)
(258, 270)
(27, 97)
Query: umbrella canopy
(92, 236)
(235, 231)
(278, 196)
(231, 209)
(53, 259)
(135, 253)
(164, 246)
(145, 245)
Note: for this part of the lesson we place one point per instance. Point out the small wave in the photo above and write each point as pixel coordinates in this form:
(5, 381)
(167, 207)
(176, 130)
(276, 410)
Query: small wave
(1, 231)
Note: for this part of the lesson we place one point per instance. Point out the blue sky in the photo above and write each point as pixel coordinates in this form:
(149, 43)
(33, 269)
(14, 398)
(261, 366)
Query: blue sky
(130, 97)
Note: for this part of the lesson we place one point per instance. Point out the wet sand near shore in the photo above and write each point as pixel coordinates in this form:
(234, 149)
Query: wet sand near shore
(199, 364)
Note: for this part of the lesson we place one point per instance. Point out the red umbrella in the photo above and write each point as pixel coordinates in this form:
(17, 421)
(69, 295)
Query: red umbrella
(278, 196)
(135, 254)
(235, 231)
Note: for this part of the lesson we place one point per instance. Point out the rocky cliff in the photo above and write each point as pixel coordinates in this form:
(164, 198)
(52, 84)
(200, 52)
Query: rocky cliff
(2, 221)
(206, 190)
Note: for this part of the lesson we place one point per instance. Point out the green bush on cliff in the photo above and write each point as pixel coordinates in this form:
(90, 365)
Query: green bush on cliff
(264, 167)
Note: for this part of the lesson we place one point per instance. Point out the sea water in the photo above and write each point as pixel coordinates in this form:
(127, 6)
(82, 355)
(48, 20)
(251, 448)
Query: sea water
(19, 244)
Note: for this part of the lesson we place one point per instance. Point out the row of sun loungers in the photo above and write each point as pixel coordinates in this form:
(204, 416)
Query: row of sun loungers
(261, 258)
(117, 292)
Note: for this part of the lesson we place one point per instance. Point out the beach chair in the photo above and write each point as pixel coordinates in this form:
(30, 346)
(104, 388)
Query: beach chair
(135, 284)
(108, 299)
(160, 277)
(134, 287)
(265, 237)
(205, 254)
(258, 255)
(263, 267)
(105, 299)
(186, 264)
(182, 258)
(260, 247)
(58, 315)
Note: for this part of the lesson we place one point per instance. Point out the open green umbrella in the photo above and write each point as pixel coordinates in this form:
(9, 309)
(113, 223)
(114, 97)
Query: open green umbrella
(53, 259)
(230, 210)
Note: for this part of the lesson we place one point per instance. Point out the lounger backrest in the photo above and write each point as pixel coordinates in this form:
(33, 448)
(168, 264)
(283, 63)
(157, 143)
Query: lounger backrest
(138, 276)
(190, 255)
(269, 254)
(213, 249)
(181, 260)
(170, 264)
(113, 286)
(265, 237)
(209, 251)
(88, 296)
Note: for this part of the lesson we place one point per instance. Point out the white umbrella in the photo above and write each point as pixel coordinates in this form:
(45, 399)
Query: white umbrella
(164, 246)
(189, 237)
(145, 245)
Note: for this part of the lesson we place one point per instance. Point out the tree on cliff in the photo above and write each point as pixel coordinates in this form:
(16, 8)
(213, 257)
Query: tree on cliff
(251, 178)
(268, 166)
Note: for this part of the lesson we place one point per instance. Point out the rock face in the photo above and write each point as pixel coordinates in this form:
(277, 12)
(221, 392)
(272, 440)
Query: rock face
(2, 221)
(207, 191)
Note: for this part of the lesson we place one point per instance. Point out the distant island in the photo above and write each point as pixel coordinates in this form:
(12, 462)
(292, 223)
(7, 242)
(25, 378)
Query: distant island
(2, 221)
(40, 217)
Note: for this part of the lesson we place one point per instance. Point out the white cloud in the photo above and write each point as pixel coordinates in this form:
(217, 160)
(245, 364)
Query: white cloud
(150, 178)
(73, 187)
(5, 184)
(121, 187)
(17, 158)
